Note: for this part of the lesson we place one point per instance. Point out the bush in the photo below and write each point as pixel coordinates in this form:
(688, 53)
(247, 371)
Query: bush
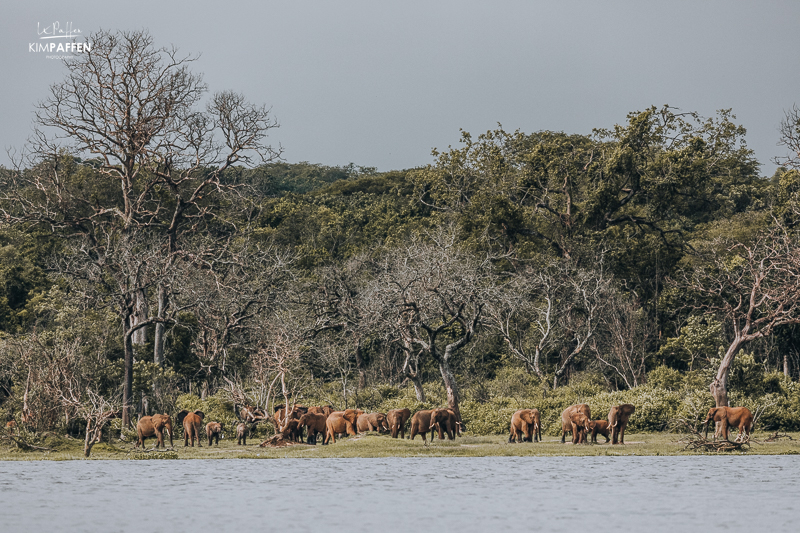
(216, 408)
(490, 418)
(664, 377)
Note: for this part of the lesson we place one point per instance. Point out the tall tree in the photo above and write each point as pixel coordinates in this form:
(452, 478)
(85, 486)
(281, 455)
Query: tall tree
(755, 288)
(435, 297)
(126, 115)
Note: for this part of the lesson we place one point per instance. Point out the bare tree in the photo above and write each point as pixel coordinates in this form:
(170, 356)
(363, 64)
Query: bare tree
(790, 138)
(525, 316)
(622, 342)
(341, 308)
(554, 307)
(754, 287)
(434, 296)
(277, 365)
(125, 117)
(230, 287)
(113, 270)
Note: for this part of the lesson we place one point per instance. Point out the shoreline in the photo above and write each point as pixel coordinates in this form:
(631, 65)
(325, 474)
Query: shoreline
(381, 446)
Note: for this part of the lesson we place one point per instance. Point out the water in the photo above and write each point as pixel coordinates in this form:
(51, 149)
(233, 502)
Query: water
(734, 493)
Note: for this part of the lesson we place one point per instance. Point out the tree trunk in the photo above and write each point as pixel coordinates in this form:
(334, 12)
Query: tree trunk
(450, 386)
(127, 386)
(417, 387)
(139, 316)
(719, 387)
(362, 374)
(90, 438)
(158, 347)
(786, 365)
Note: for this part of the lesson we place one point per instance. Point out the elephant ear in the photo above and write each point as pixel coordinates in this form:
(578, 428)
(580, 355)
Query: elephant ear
(200, 413)
(181, 416)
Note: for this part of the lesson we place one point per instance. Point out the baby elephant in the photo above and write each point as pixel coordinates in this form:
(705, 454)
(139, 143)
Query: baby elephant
(601, 427)
(214, 431)
(241, 434)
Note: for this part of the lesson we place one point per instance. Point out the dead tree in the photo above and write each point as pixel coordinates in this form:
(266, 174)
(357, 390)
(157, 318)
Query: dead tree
(126, 119)
(555, 307)
(434, 296)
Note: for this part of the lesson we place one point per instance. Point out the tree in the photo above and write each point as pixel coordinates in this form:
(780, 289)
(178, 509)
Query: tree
(435, 295)
(790, 138)
(754, 288)
(233, 285)
(554, 306)
(119, 146)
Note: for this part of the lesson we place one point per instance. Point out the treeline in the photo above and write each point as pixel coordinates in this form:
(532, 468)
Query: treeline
(137, 271)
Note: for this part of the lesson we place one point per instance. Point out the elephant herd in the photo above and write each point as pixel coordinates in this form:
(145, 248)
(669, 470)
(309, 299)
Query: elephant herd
(325, 423)
(526, 425)
(313, 422)
(576, 419)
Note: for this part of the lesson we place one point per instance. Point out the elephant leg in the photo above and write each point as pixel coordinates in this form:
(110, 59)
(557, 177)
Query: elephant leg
(622, 433)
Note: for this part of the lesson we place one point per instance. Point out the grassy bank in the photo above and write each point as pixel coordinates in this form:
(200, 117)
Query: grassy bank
(383, 446)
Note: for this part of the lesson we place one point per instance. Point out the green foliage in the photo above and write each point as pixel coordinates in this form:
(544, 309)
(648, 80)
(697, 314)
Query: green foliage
(664, 377)
(216, 408)
(699, 339)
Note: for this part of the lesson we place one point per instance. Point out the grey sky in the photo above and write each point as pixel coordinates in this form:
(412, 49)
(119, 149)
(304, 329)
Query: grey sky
(382, 83)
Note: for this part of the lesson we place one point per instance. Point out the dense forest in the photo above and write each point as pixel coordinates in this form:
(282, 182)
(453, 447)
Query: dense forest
(172, 260)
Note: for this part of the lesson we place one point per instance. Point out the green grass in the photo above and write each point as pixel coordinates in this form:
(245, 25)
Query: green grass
(651, 444)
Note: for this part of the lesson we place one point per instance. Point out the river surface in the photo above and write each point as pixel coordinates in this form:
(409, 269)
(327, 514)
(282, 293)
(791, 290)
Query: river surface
(734, 493)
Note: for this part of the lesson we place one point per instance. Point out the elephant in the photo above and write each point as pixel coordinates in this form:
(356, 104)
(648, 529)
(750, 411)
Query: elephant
(618, 420)
(248, 413)
(296, 412)
(321, 410)
(601, 427)
(192, 422)
(577, 419)
(315, 422)
(341, 422)
(397, 419)
(214, 431)
(153, 426)
(738, 417)
(241, 434)
(443, 418)
(372, 422)
(458, 425)
(293, 431)
(527, 422)
(421, 424)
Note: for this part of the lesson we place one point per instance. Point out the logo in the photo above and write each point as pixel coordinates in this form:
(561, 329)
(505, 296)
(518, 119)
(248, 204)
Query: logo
(57, 38)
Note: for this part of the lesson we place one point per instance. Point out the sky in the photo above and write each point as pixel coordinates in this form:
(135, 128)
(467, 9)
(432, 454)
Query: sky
(380, 84)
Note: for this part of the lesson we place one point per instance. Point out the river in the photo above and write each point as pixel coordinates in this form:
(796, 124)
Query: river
(730, 493)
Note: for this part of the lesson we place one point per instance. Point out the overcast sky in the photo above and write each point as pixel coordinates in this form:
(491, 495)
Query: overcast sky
(382, 83)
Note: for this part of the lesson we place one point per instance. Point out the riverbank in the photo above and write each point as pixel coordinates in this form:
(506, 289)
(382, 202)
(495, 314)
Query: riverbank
(643, 444)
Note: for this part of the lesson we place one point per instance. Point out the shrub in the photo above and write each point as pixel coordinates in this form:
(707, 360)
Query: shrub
(664, 377)
(216, 408)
